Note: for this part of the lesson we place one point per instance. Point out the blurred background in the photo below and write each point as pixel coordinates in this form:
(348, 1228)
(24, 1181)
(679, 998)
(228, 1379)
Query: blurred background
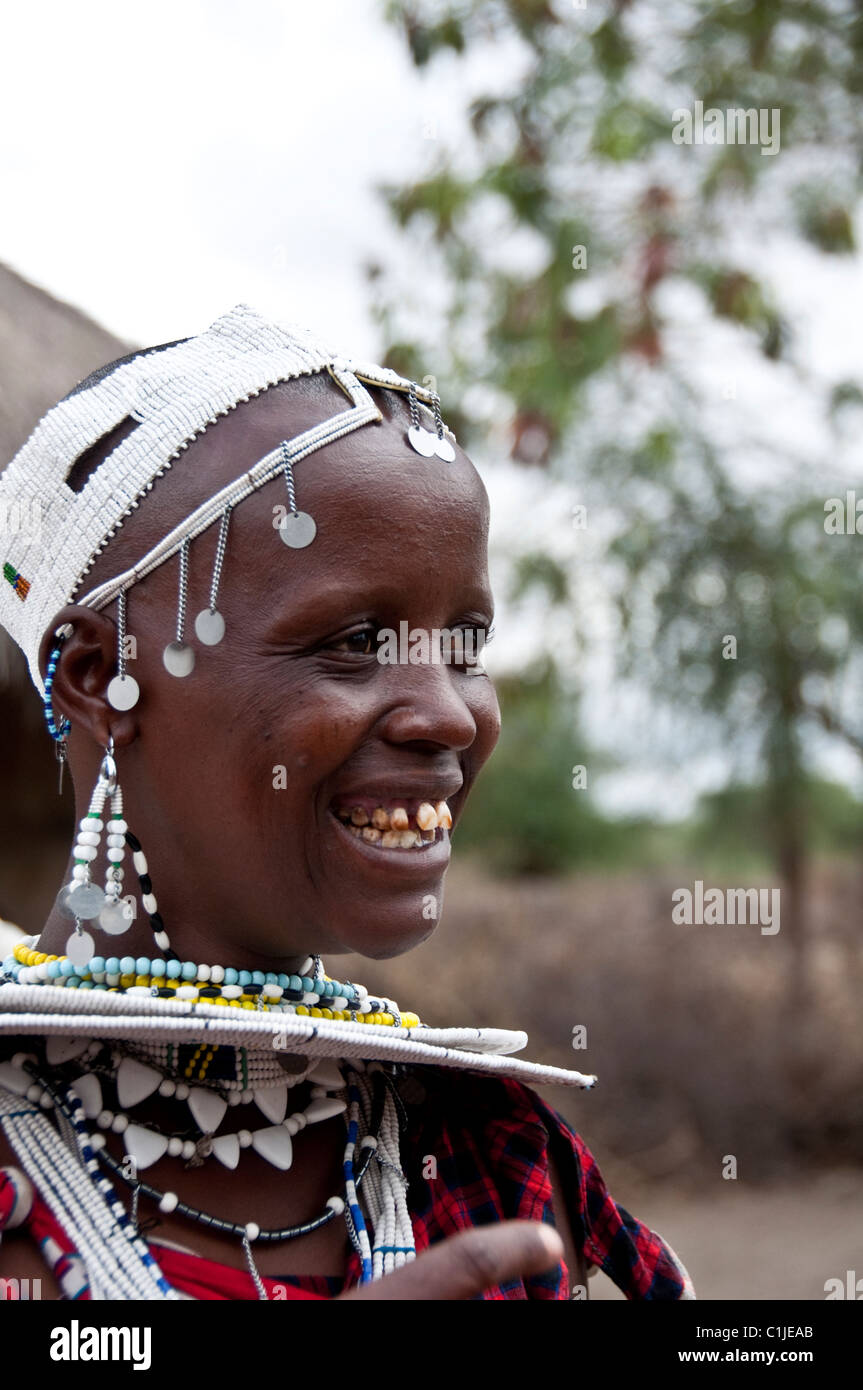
(652, 351)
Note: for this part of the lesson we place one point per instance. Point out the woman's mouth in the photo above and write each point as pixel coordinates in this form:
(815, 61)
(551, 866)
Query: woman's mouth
(410, 824)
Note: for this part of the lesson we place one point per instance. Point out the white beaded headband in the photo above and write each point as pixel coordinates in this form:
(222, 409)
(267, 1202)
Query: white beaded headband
(52, 534)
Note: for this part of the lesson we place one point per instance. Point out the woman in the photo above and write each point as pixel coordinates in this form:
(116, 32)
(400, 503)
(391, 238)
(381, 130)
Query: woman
(193, 1106)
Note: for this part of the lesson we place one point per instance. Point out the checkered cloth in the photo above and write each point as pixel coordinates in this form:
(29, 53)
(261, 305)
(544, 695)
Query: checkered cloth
(475, 1151)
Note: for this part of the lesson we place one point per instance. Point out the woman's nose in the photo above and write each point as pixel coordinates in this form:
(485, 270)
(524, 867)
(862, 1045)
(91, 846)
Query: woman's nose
(429, 707)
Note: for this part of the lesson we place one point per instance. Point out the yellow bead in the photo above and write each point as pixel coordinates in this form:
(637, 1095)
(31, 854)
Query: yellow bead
(302, 1008)
(127, 980)
(159, 983)
(142, 979)
(327, 1013)
(410, 1021)
(316, 1013)
(245, 1004)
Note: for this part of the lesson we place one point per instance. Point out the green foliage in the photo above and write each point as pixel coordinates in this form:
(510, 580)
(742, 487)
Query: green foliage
(575, 150)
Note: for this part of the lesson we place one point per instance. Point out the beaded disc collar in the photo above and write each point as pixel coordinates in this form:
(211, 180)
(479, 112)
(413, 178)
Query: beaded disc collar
(47, 1010)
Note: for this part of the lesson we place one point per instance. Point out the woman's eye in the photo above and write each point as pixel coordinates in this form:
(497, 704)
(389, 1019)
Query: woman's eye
(360, 643)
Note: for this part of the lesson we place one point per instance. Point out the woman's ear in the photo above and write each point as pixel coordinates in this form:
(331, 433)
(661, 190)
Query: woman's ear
(88, 661)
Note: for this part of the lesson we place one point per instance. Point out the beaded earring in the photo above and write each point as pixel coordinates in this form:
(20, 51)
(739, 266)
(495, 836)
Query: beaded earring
(81, 898)
(59, 732)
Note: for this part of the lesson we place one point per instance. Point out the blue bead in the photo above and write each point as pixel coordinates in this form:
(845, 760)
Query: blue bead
(157, 968)
(97, 965)
(307, 984)
(258, 977)
(231, 975)
(142, 966)
(86, 984)
(245, 977)
(127, 965)
(54, 969)
(295, 982)
(284, 981)
(173, 969)
(112, 965)
(73, 981)
(67, 968)
(190, 970)
(271, 978)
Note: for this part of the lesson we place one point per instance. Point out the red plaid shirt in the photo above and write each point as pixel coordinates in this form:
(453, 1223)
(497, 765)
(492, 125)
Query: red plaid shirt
(475, 1151)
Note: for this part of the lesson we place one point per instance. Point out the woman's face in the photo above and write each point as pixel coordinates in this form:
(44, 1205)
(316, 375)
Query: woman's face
(238, 774)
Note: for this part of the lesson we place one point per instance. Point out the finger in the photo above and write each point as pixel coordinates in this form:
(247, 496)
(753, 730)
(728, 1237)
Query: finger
(468, 1263)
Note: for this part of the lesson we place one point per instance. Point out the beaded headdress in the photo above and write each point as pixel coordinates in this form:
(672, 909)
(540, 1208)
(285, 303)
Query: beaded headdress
(53, 533)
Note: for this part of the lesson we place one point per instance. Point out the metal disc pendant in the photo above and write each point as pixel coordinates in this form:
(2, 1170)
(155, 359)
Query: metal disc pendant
(298, 530)
(209, 627)
(444, 449)
(61, 902)
(115, 918)
(80, 948)
(123, 692)
(422, 440)
(179, 658)
(86, 901)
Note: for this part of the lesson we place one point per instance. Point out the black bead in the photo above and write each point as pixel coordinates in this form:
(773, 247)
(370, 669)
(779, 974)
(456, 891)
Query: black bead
(165, 993)
(146, 883)
(252, 989)
(209, 992)
(133, 842)
(156, 921)
(293, 996)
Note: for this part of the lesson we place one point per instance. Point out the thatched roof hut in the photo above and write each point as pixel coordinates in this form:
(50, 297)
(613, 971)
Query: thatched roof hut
(46, 346)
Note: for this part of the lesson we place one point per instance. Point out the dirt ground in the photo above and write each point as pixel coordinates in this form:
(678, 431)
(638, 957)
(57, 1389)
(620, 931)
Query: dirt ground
(753, 1243)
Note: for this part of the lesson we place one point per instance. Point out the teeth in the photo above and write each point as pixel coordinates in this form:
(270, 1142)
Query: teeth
(391, 839)
(408, 839)
(444, 815)
(355, 830)
(428, 836)
(380, 819)
(359, 816)
(371, 835)
(426, 816)
(399, 819)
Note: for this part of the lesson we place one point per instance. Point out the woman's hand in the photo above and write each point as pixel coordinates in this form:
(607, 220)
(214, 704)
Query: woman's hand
(469, 1263)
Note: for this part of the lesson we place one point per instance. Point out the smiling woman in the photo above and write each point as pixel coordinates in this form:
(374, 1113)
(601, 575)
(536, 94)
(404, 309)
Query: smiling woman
(177, 1063)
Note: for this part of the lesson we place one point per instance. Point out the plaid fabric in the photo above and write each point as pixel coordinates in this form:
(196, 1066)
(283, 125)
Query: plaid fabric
(475, 1151)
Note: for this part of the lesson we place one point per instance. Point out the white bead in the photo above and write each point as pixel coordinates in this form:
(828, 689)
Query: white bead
(79, 872)
(234, 1098)
(307, 966)
(252, 1230)
(89, 824)
(85, 852)
(175, 1147)
(318, 1092)
(310, 997)
(203, 974)
(112, 978)
(245, 1138)
(162, 941)
(117, 825)
(337, 1204)
(208, 1109)
(167, 1087)
(150, 907)
(120, 1124)
(97, 1141)
(19, 1058)
(188, 1149)
(88, 837)
(186, 992)
(104, 1119)
(324, 1109)
(291, 1125)
(139, 859)
(217, 974)
(232, 991)
(168, 1203)
(182, 1091)
(115, 842)
(45, 1101)
(115, 856)
(370, 1142)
